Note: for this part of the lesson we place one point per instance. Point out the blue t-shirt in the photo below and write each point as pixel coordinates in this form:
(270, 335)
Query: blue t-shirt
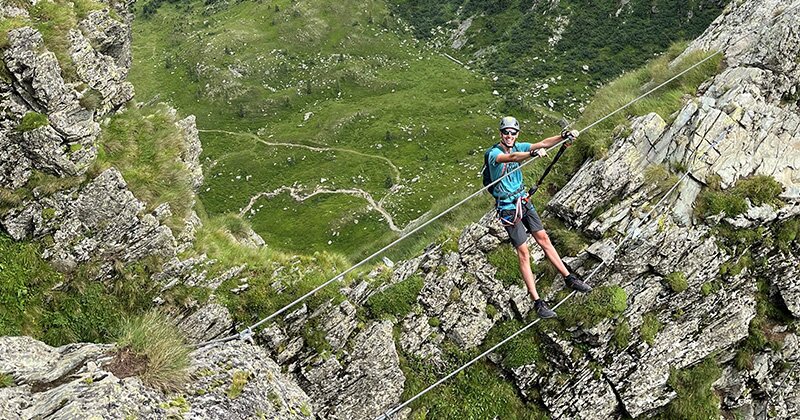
(512, 186)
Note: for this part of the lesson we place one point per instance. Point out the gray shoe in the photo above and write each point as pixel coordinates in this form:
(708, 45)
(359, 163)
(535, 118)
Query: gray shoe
(542, 310)
(575, 283)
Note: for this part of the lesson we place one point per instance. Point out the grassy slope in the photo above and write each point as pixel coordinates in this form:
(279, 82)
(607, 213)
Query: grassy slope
(600, 34)
(366, 86)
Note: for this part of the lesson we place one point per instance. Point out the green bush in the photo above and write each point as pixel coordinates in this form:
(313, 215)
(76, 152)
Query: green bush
(31, 121)
(677, 281)
(163, 347)
(397, 300)
(651, 326)
(696, 399)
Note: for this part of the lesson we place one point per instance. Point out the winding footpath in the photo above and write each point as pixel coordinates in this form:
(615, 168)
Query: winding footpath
(395, 169)
(298, 195)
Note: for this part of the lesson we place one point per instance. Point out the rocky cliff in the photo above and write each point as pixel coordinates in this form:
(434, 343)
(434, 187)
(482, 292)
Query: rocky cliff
(630, 363)
(683, 294)
(57, 95)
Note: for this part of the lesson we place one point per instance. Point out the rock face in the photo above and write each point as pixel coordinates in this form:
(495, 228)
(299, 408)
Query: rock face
(73, 382)
(363, 385)
(101, 221)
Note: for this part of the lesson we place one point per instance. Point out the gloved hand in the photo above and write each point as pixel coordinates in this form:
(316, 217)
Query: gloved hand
(570, 134)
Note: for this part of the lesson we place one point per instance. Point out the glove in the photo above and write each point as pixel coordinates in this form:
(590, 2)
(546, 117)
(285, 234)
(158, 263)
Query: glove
(570, 134)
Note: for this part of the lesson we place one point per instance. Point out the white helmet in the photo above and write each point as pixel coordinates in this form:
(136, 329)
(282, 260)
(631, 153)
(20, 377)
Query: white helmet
(509, 122)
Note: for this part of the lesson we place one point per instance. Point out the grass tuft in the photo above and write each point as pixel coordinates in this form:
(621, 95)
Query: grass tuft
(397, 300)
(31, 121)
(759, 189)
(651, 326)
(622, 334)
(154, 337)
(6, 381)
(146, 146)
(696, 398)
(238, 382)
(677, 281)
(602, 303)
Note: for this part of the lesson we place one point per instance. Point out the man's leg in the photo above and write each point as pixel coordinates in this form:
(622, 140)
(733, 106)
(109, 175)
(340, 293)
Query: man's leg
(550, 252)
(524, 256)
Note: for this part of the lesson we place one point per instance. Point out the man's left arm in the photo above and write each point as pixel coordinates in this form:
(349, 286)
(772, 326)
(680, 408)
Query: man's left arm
(546, 143)
(552, 141)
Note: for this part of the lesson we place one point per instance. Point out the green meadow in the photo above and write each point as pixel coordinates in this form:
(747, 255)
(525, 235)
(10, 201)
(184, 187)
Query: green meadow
(311, 96)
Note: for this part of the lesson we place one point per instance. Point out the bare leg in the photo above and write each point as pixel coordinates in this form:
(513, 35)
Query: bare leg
(543, 240)
(524, 256)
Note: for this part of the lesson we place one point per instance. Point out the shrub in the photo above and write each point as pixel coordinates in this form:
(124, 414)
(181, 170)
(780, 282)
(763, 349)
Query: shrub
(650, 327)
(397, 300)
(31, 121)
(696, 399)
(677, 281)
(161, 344)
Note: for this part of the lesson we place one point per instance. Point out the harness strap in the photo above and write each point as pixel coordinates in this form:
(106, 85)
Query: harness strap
(506, 221)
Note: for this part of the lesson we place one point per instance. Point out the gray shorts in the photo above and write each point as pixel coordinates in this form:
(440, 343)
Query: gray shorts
(530, 222)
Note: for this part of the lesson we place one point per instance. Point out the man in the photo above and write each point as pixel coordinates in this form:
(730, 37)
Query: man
(515, 210)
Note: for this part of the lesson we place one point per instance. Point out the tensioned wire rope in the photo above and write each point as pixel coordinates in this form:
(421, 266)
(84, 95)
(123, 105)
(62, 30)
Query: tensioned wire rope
(246, 334)
(633, 232)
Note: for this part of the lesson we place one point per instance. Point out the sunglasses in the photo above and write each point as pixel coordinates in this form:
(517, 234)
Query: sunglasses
(507, 131)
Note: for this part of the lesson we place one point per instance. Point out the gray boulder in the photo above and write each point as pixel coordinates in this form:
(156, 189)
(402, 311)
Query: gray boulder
(73, 381)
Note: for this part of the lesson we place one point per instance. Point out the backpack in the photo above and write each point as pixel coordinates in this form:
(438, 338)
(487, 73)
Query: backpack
(485, 173)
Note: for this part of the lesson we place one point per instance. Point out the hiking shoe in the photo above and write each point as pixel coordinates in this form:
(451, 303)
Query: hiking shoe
(575, 283)
(542, 310)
